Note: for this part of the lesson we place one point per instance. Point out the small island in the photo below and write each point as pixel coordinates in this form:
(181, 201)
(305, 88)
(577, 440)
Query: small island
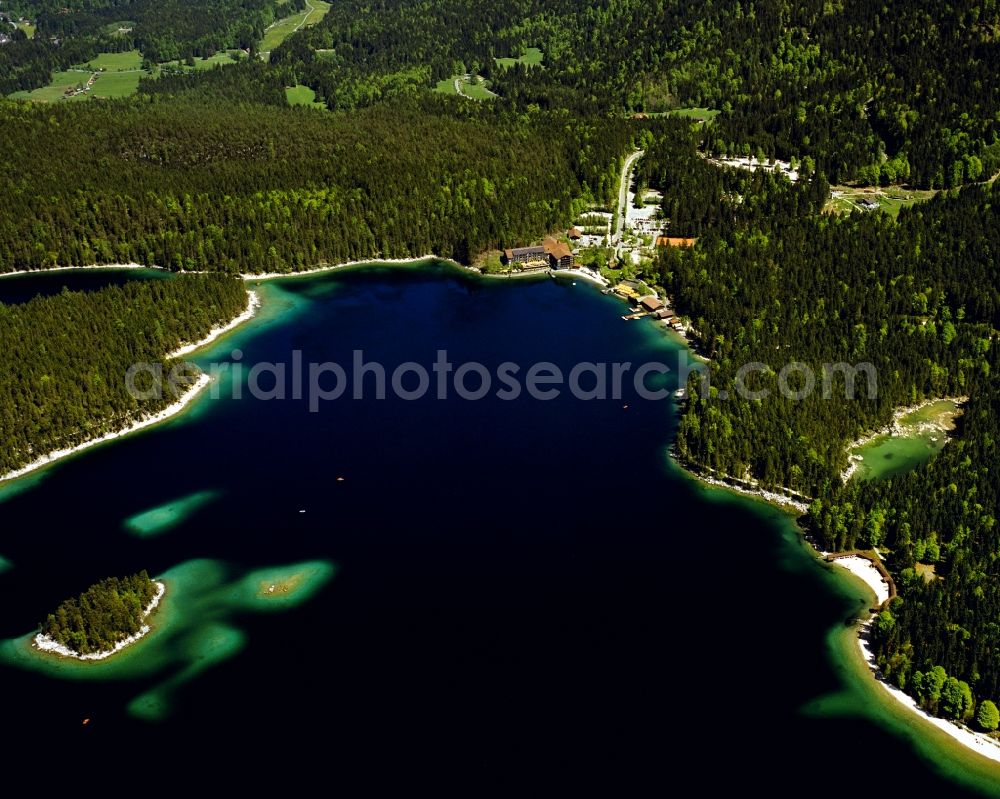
(279, 586)
(103, 620)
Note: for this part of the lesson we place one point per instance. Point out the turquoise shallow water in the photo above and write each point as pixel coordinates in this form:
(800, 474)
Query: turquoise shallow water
(497, 594)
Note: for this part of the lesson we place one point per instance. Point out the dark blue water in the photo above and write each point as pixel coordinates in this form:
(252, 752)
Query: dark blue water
(528, 601)
(21, 288)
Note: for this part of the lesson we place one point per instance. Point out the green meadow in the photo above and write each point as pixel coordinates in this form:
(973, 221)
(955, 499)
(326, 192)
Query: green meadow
(303, 95)
(532, 57)
(315, 11)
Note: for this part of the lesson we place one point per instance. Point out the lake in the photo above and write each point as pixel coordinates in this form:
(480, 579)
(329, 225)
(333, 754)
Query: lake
(507, 596)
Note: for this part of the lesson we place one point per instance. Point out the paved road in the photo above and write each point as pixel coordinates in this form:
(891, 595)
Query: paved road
(626, 181)
(312, 8)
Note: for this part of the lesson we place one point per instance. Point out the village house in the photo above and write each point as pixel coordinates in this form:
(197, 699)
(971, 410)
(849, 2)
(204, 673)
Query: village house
(651, 304)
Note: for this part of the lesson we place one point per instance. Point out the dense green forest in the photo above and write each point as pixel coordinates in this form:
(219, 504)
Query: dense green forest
(70, 32)
(773, 280)
(867, 92)
(103, 615)
(65, 357)
(251, 188)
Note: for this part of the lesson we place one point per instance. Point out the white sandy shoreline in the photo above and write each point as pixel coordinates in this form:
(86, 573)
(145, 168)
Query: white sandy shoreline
(44, 643)
(976, 742)
(253, 303)
(725, 481)
(160, 416)
(319, 270)
(581, 272)
(864, 569)
(90, 267)
(762, 493)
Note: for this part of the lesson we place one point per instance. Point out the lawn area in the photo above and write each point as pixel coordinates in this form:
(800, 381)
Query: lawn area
(120, 78)
(532, 58)
(473, 91)
(114, 62)
(120, 28)
(476, 91)
(28, 28)
(285, 27)
(303, 95)
(107, 84)
(890, 199)
(115, 84)
(223, 58)
(446, 86)
(117, 76)
(56, 88)
(708, 114)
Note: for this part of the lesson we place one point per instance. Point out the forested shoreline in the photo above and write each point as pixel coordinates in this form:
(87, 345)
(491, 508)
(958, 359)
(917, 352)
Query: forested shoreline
(237, 188)
(103, 615)
(774, 280)
(66, 357)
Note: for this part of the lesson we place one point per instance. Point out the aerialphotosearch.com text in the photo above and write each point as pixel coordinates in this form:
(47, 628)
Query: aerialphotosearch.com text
(321, 382)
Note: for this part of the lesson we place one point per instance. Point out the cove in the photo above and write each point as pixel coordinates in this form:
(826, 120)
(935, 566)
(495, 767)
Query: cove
(526, 593)
(18, 288)
(918, 436)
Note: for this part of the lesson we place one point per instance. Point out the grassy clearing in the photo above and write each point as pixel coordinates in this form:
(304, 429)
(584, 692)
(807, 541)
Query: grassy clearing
(694, 113)
(115, 84)
(446, 86)
(476, 91)
(223, 58)
(28, 28)
(473, 91)
(532, 57)
(303, 95)
(119, 78)
(286, 26)
(107, 84)
(61, 81)
(114, 62)
(120, 28)
(707, 114)
(215, 60)
(890, 199)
